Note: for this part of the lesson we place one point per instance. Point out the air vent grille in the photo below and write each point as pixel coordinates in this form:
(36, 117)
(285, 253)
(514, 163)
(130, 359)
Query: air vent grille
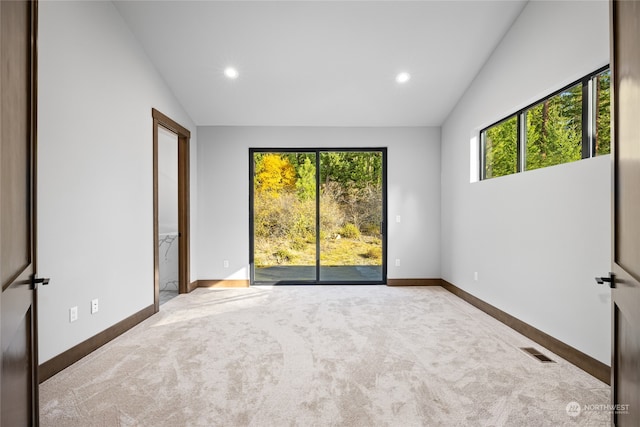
(533, 352)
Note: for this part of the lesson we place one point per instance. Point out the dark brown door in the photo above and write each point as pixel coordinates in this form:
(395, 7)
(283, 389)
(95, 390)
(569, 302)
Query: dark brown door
(18, 322)
(625, 377)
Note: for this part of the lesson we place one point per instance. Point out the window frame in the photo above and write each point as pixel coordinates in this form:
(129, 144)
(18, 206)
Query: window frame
(318, 151)
(588, 115)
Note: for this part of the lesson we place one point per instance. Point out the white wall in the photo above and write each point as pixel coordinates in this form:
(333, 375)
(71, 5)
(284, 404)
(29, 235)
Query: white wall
(95, 213)
(538, 238)
(413, 192)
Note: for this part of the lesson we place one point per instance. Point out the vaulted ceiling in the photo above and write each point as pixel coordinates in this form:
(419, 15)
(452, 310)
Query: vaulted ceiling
(319, 63)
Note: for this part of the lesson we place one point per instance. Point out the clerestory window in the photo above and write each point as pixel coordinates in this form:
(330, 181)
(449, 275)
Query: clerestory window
(568, 125)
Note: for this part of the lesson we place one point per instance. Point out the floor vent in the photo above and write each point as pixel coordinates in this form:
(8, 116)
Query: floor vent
(536, 353)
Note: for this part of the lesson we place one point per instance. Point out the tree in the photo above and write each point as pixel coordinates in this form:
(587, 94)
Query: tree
(554, 130)
(501, 148)
(603, 114)
(352, 168)
(306, 183)
(274, 174)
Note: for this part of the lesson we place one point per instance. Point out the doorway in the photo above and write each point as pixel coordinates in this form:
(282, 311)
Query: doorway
(170, 208)
(318, 216)
(168, 257)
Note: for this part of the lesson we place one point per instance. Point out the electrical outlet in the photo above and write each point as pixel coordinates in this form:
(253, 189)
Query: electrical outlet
(94, 306)
(226, 263)
(73, 314)
(475, 276)
(397, 262)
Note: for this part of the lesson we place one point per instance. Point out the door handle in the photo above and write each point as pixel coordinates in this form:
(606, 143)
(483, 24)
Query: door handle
(34, 282)
(611, 280)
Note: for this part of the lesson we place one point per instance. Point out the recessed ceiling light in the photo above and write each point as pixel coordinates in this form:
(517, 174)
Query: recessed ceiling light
(231, 73)
(403, 77)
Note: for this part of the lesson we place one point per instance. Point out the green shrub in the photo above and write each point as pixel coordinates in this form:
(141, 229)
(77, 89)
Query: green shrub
(371, 228)
(283, 256)
(373, 253)
(298, 243)
(350, 231)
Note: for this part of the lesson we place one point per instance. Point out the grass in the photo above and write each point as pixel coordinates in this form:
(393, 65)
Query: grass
(366, 250)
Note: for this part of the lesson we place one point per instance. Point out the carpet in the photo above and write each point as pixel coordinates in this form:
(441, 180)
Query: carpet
(321, 356)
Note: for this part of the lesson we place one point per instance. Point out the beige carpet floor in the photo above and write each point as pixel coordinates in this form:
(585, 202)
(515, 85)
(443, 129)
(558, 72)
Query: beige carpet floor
(320, 356)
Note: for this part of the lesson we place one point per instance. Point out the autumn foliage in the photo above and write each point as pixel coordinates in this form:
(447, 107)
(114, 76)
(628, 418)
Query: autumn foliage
(274, 175)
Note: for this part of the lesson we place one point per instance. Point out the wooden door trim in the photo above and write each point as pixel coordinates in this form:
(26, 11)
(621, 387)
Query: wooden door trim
(184, 136)
(35, 392)
(613, 118)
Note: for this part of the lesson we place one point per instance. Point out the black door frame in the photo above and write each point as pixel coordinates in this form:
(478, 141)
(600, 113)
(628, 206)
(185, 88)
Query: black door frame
(317, 151)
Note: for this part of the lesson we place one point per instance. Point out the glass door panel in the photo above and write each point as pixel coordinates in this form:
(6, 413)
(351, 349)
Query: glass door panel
(284, 217)
(351, 216)
(317, 216)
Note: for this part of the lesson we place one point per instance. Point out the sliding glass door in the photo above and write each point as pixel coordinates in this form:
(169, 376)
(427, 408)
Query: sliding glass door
(318, 216)
(284, 216)
(351, 210)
